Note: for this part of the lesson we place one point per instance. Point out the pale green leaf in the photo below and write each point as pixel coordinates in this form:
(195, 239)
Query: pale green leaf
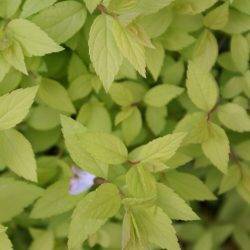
(16, 152)
(242, 150)
(33, 40)
(201, 86)
(55, 200)
(162, 148)
(15, 196)
(4, 68)
(216, 147)
(233, 87)
(9, 7)
(15, 106)
(188, 186)
(55, 96)
(62, 20)
(44, 241)
(242, 6)
(130, 47)
(205, 242)
(243, 187)
(173, 205)
(104, 53)
(123, 115)
(5, 243)
(234, 117)
(162, 94)
(92, 4)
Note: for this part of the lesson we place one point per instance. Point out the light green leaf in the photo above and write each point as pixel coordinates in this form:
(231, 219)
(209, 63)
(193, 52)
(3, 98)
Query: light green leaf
(243, 187)
(188, 186)
(240, 52)
(9, 7)
(205, 242)
(206, 51)
(92, 212)
(55, 200)
(73, 135)
(16, 152)
(162, 148)
(201, 86)
(33, 40)
(4, 68)
(162, 94)
(15, 106)
(5, 243)
(216, 148)
(173, 205)
(242, 150)
(44, 241)
(234, 117)
(31, 7)
(62, 20)
(154, 59)
(242, 6)
(233, 87)
(217, 18)
(123, 115)
(55, 96)
(140, 183)
(92, 4)
(231, 179)
(104, 53)
(15, 196)
(131, 126)
(130, 47)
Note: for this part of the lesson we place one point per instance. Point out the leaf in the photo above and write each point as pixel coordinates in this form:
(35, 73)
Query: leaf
(15, 196)
(15, 106)
(92, 4)
(242, 150)
(206, 51)
(132, 126)
(173, 205)
(62, 20)
(140, 183)
(130, 48)
(217, 18)
(14, 56)
(9, 7)
(123, 115)
(73, 135)
(31, 7)
(45, 241)
(188, 186)
(240, 52)
(242, 6)
(201, 87)
(4, 68)
(55, 96)
(233, 87)
(234, 117)
(231, 179)
(205, 242)
(104, 53)
(243, 187)
(162, 148)
(216, 148)
(162, 94)
(16, 152)
(55, 200)
(92, 212)
(5, 243)
(33, 40)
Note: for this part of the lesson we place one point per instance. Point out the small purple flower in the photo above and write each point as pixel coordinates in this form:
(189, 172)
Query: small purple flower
(80, 181)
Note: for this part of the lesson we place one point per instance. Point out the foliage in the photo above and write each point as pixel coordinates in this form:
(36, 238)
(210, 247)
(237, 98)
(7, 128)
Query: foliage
(124, 124)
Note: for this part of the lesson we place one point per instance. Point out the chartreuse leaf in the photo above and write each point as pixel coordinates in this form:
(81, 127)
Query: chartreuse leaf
(55, 96)
(242, 150)
(231, 179)
(45, 240)
(162, 94)
(242, 6)
(73, 135)
(188, 186)
(234, 117)
(240, 52)
(154, 59)
(5, 243)
(92, 4)
(173, 205)
(31, 7)
(204, 242)
(201, 87)
(9, 7)
(161, 149)
(206, 51)
(104, 53)
(130, 47)
(55, 200)
(243, 187)
(140, 183)
(4, 68)
(62, 20)
(33, 40)
(216, 147)
(217, 18)
(92, 212)
(233, 87)
(131, 126)
(15, 196)
(16, 153)
(15, 106)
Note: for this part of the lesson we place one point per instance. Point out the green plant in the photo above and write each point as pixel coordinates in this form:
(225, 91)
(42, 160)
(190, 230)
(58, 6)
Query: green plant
(124, 124)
